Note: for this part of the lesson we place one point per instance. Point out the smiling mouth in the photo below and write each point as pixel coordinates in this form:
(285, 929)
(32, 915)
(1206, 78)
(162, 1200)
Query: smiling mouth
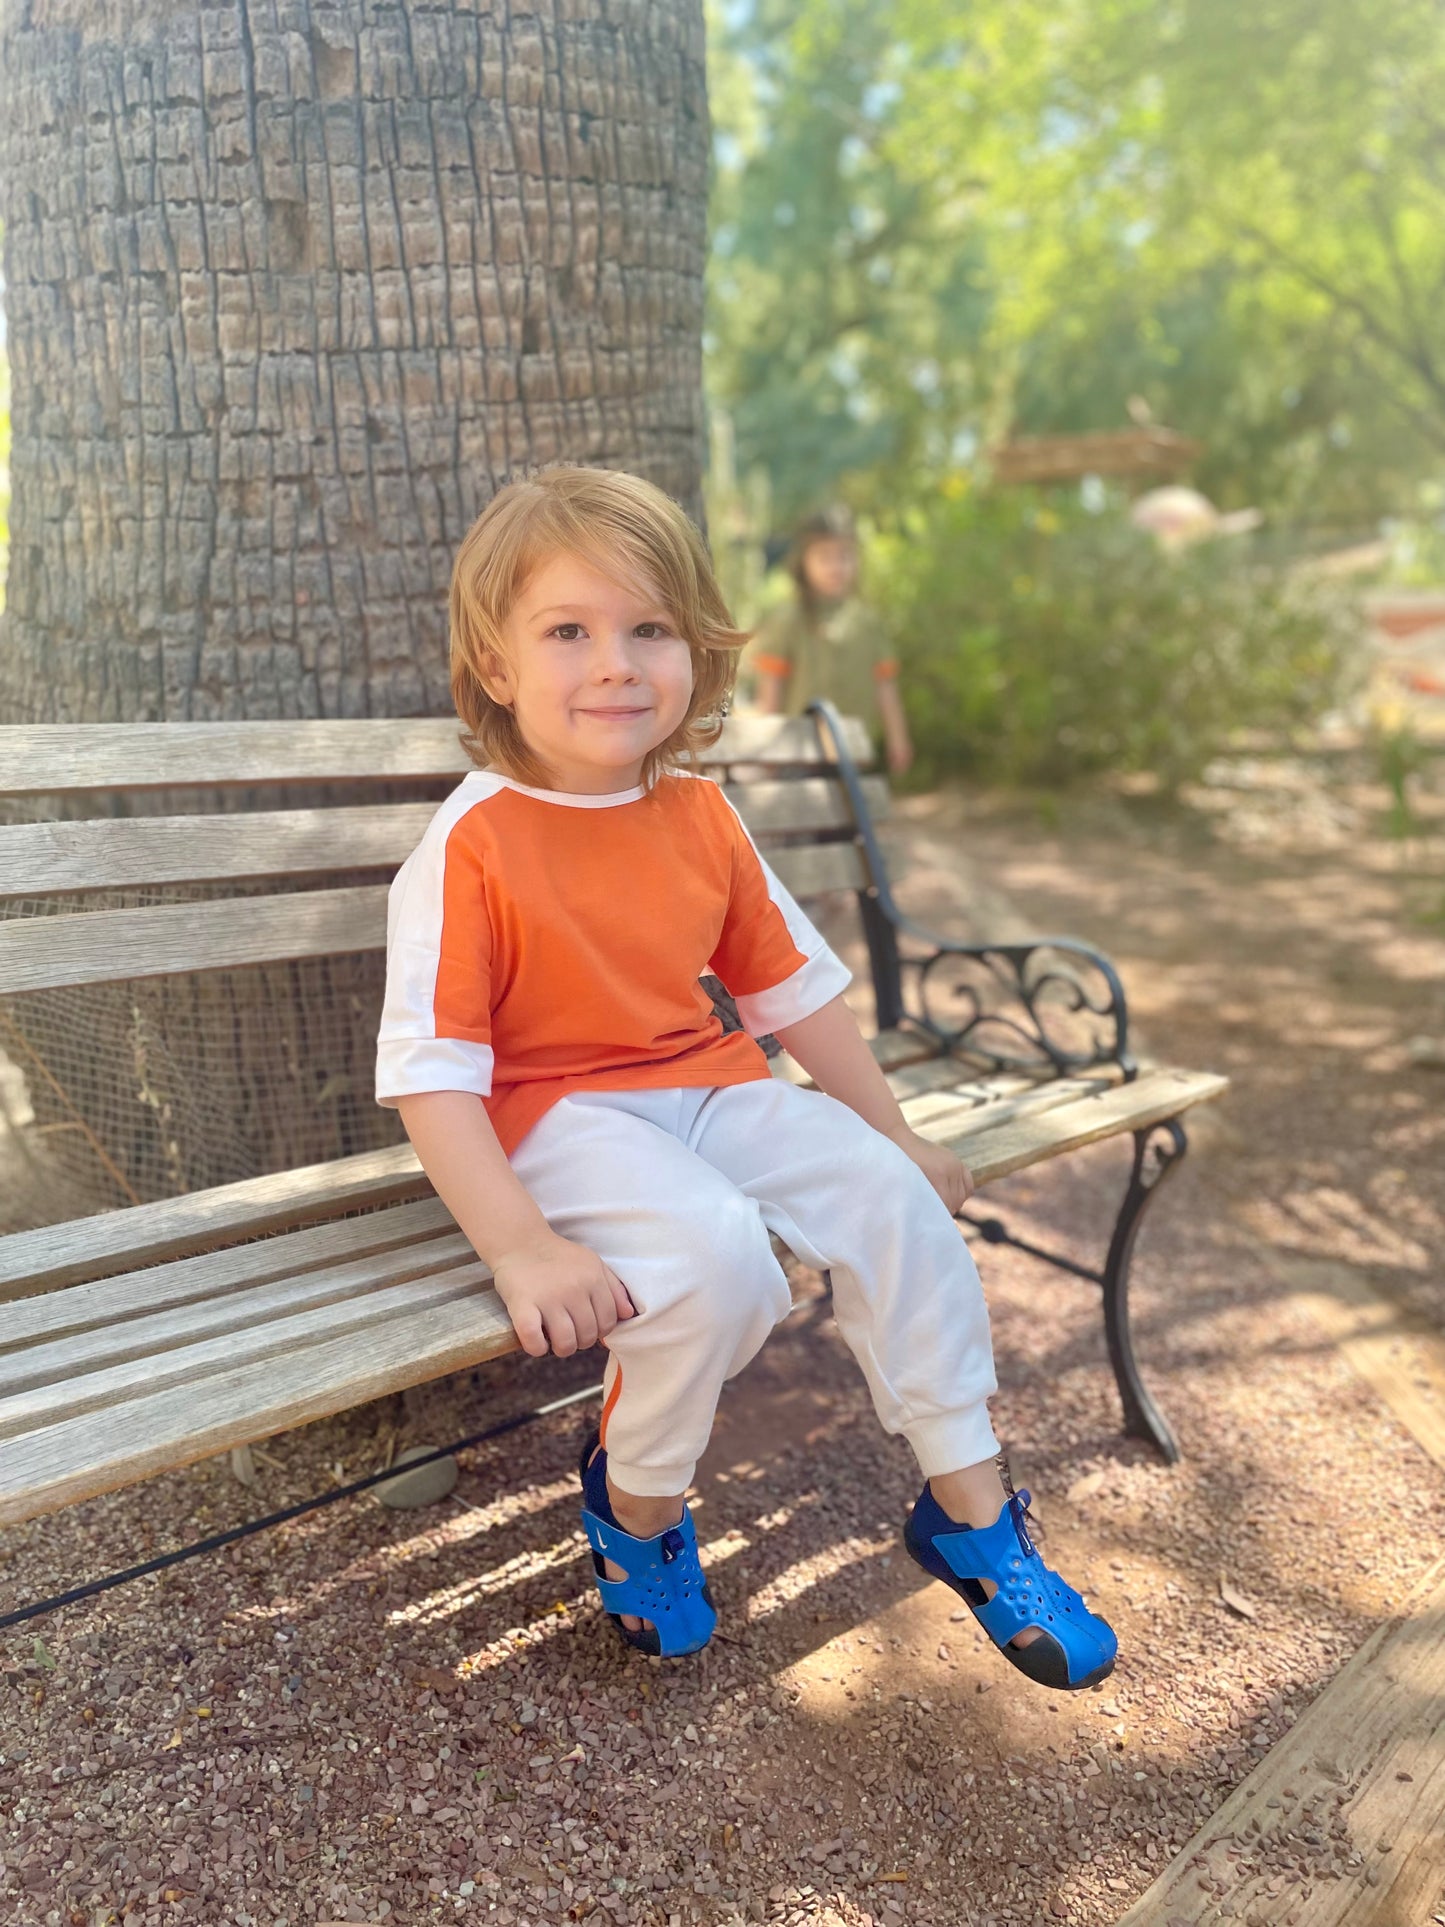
(617, 714)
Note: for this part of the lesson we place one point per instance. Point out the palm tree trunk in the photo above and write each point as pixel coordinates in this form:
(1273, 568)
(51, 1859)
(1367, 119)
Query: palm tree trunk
(290, 290)
(291, 287)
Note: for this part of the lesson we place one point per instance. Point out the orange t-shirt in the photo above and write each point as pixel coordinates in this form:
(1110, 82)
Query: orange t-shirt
(540, 943)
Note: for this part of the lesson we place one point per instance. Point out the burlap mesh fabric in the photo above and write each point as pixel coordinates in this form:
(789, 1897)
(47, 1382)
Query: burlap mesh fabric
(119, 1093)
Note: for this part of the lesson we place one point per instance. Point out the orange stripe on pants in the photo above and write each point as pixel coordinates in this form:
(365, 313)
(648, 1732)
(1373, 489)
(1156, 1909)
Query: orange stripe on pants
(610, 1401)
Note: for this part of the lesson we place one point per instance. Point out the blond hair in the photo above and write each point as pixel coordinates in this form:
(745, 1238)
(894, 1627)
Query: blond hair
(623, 525)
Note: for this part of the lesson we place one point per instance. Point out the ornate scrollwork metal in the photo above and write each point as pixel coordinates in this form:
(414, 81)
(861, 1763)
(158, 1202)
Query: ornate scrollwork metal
(1052, 1004)
(1048, 1004)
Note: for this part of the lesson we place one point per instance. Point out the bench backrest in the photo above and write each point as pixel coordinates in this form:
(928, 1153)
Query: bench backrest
(775, 770)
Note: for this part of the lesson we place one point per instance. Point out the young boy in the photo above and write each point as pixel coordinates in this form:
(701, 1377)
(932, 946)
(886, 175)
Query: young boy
(617, 1159)
(826, 641)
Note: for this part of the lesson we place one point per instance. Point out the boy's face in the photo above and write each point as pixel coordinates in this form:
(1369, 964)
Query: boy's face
(595, 673)
(830, 563)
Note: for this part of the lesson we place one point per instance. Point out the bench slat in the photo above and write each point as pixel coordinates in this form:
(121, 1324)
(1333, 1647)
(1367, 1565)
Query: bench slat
(57, 1465)
(944, 1113)
(283, 1334)
(895, 1048)
(235, 1314)
(807, 869)
(80, 758)
(109, 946)
(115, 852)
(146, 1233)
(77, 1309)
(994, 1150)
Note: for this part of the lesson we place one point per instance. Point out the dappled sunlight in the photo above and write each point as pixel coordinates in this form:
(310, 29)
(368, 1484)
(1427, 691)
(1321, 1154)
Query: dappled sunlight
(1325, 1221)
(794, 1581)
(504, 1577)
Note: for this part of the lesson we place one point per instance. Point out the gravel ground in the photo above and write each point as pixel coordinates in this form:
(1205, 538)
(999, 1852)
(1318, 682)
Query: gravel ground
(421, 1717)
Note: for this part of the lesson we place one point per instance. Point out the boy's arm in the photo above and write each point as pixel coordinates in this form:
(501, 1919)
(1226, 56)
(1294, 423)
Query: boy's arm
(769, 692)
(559, 1294)
(897, 742)
(831, 1049)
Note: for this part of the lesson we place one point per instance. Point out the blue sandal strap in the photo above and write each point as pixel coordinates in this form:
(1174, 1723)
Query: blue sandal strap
(1076, 1649)
(664, 1583)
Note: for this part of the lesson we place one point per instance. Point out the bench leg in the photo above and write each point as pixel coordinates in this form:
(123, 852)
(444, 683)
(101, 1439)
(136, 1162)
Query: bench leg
(1158, 1150)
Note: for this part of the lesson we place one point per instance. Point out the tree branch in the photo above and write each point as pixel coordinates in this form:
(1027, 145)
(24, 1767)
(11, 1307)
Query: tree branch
(1378, 330)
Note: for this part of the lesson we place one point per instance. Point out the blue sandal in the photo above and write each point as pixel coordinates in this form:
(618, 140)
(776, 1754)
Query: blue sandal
(664, 1582)
(1075, 1648)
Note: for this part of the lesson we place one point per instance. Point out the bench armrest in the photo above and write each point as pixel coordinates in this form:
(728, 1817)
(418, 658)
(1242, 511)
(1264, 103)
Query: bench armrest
(1035, 1004)
(1029, 1004)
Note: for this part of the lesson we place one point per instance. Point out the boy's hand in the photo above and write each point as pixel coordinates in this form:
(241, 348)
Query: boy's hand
(561, 1297)
(944, 1169)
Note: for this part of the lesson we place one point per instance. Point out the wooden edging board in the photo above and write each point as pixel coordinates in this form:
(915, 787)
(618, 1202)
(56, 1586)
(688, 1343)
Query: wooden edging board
(1365, 1763)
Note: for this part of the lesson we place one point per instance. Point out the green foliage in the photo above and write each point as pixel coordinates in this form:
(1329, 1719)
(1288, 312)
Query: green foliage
(1041, 645)
(1401, 757)
(936, 225)
(846, 305)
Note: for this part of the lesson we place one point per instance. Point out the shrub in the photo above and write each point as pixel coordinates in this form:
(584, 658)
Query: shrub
(1040, 645)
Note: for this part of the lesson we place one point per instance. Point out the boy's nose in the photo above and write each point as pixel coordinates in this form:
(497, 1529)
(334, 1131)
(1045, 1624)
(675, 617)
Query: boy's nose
(614, 659)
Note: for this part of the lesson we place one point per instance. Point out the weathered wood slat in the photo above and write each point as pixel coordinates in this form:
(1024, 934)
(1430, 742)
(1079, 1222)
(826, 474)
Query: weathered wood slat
(143, 1234)
(57, 1465)
(114, 852)
(780, 739)
(895, 1048)
(76, 758)
(143, 1330)
(808, 868)
(56, 1256)
(76, 1309)
(286, 1332)
(108, 946)
(994, 1150)
(89, 1326)
(787, 807)
(945, 1113)
(1371, 1749)
(238, 1313)
(80, 758)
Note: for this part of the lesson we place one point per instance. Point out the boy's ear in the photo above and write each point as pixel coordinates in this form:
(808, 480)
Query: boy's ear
(495, 676)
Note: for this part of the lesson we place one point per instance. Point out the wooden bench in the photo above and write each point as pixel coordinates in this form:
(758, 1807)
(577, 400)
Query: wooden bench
(143, 1338)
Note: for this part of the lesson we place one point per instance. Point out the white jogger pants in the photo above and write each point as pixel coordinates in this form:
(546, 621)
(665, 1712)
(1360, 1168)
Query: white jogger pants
(677, 1191)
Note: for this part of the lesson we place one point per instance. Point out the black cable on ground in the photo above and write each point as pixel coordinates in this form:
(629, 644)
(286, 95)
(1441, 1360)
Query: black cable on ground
(219, 1539)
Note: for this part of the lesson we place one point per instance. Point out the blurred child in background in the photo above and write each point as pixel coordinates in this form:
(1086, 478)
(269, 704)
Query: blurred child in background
(826, 641)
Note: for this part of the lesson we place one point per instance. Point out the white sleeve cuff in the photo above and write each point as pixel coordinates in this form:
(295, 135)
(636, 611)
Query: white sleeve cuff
(817, 982)
(411, 1066)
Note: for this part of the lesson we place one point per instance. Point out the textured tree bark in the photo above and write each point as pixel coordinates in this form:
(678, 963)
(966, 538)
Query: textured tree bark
(291, 287)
